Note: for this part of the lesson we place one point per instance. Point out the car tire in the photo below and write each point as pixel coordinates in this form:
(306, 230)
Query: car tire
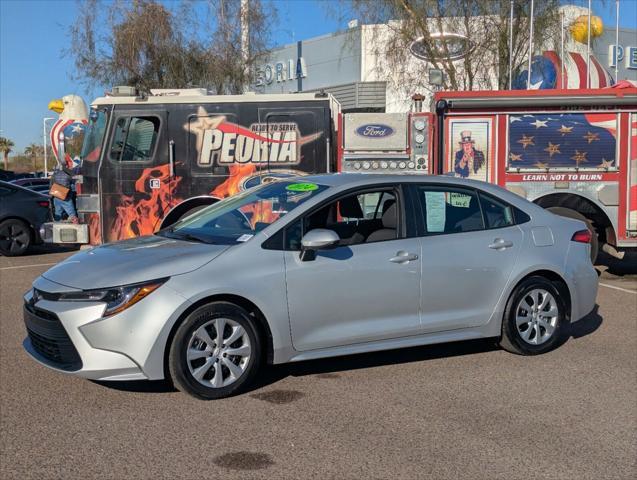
(15, 237)
(524, 330)
(200, 367)
(569, 213)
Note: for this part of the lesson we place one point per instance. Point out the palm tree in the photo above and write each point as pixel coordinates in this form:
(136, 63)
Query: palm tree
(34, 151)
(5, 148)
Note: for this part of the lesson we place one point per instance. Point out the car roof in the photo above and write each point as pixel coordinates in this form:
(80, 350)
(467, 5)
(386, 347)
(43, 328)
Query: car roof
(20, 188)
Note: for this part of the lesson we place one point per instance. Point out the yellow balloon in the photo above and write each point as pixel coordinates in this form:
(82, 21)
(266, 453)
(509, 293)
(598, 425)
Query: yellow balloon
(579, 28)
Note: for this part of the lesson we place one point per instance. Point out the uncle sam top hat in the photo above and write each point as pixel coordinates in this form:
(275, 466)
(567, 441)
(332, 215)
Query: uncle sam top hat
(466, 137)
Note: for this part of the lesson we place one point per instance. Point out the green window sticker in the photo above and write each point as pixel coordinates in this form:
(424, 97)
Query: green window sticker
(302, 187)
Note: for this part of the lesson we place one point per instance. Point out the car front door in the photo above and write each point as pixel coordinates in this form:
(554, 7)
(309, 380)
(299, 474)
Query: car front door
(470, 244)
(365, 289)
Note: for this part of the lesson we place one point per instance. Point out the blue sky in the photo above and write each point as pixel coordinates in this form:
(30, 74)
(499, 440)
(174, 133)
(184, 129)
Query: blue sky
(34, 34)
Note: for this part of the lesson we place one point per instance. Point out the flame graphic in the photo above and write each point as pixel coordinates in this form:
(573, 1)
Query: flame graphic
(93, 221)
(232, 186)
(261, 212)
(140, 213)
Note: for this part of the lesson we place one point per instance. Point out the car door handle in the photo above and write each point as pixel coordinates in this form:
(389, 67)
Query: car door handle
(403, 257)
(500, 244)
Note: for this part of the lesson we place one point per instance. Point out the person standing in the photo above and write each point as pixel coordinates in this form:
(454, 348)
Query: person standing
(63, 176)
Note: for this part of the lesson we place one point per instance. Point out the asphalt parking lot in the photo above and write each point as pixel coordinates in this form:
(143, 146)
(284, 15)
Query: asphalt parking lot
(462, 410)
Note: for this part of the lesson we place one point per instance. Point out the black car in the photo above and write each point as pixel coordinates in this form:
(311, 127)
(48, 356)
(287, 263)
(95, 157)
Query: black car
(22, 212)
(36, 184)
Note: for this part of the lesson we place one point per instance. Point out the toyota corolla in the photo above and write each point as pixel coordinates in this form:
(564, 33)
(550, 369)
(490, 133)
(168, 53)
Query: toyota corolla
(310, 268)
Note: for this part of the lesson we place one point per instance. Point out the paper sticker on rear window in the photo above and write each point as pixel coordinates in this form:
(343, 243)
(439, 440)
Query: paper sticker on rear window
(302, 187)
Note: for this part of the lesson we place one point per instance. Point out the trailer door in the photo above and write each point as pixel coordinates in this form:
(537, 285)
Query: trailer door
(136, 180)
(298, 140)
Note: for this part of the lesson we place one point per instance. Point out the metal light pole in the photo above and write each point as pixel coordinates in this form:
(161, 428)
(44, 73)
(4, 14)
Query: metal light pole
(44, 120)
(562, 50)
(528, 78)
(244, 13)
(616, 41)
(588, 49)
(511, 45)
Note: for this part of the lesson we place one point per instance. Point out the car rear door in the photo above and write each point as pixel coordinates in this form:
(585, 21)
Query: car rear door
(470, 244)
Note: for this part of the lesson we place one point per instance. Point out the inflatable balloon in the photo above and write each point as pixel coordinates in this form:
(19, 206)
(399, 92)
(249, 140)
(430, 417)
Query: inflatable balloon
(543, 75)
(579, 28)
(72, 123)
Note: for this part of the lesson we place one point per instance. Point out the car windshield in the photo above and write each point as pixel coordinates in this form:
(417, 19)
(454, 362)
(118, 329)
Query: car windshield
(92, 147)
(239, 218)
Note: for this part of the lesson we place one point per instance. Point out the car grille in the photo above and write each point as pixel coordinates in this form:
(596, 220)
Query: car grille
(49, 338)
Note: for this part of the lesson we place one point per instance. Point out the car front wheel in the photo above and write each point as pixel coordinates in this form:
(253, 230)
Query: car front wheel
(534, 318)
(216, 351)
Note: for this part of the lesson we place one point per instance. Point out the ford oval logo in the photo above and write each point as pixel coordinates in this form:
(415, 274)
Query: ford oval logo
(443, 46)
(374, 130)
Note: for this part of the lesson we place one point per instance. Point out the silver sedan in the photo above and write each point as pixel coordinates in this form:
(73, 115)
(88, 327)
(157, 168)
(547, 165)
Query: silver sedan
(309, 268)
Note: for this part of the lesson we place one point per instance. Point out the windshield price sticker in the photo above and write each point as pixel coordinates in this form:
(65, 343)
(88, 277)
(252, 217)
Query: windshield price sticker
(245, 237)
(302, 187)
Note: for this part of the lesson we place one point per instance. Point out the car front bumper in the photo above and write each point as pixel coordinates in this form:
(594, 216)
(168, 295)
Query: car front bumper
(74, 338)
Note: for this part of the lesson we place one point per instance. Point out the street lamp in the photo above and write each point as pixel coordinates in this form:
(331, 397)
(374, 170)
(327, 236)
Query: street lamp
(44, 120)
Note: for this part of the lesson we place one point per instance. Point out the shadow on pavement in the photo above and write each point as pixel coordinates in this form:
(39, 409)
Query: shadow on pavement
(139, 386)
(585, 326)
(613, 266)
(43, 249)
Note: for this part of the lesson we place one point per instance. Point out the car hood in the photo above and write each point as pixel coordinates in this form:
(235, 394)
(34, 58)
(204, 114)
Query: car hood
(132, 261)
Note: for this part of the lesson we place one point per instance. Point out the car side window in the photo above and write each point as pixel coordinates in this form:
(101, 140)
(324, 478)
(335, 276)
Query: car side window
(134, 139)
(449, 210)
(497, 214)
(357, 218)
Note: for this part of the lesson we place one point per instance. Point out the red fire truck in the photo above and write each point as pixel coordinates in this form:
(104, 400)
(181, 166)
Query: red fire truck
(571, 151)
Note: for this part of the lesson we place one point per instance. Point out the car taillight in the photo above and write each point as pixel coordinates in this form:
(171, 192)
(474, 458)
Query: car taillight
(43, 203)
(582, 236)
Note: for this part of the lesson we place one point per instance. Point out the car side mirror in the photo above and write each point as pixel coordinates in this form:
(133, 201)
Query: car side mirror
(317, 239)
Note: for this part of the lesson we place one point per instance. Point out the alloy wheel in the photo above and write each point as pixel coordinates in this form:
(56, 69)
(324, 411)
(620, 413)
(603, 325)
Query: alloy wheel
(536, 316)
(218, 353)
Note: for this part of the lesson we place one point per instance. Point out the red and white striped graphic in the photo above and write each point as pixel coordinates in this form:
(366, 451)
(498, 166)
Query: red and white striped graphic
(575, 71)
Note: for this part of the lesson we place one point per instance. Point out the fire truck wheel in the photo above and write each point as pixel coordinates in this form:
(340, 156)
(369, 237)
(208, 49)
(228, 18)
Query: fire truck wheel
(569, 213)
(216, 351)
(15, 237)
(534, 318)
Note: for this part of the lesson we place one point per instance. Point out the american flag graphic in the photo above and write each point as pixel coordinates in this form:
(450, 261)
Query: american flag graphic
(567, 140)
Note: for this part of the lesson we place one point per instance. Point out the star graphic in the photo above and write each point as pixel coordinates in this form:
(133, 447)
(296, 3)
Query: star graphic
(536, 85)
(591, 137)
(77, 128)
(542, 165)
(564, 130)
(514, 157)
(539, 123)
(201, 124)
(526, 141)
(515, 119)
(579, 157)
(552, 149)
(606, 163)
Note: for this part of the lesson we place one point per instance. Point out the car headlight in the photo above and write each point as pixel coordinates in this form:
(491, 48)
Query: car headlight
(117, 299)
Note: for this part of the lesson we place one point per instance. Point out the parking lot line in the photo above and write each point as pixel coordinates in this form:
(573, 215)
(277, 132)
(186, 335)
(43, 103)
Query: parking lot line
(26, 266)
(618, 288)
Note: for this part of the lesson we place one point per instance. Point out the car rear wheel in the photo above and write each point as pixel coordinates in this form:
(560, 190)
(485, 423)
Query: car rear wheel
(216, 351)
(534, 318)
(15, 237)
